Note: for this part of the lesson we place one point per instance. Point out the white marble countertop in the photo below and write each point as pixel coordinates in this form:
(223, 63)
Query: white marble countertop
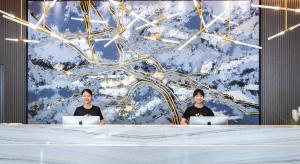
(149, 144)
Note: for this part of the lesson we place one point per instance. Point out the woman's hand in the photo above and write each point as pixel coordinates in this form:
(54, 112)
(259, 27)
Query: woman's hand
(183, 121)
(102, 122)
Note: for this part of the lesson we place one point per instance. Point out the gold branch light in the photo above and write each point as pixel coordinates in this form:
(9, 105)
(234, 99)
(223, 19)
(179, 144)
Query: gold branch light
(91, 20)
(21, 32)
(203, 26)
(89, 36)
(123, 29)
(224, 20)
(46, 11)
(285, 9)
(123, 7)
(228, 36)
(87, 18)
(203, 30)
(158, 36)
(36, 27)
(33, 26)
(158, 20)
(276, 8)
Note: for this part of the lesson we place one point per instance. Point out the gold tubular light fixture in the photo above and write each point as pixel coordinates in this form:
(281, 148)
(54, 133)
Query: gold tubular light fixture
(285, 9)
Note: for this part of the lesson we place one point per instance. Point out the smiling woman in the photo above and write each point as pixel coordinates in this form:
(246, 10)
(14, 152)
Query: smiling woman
(198, 109)
(88, 109)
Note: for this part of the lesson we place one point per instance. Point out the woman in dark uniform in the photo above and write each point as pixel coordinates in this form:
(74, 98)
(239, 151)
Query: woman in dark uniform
(198, 109)
(88, 109)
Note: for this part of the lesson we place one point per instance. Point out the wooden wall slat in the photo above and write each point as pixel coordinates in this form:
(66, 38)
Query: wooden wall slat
(13, 57)
(2, 93)
(280, 64)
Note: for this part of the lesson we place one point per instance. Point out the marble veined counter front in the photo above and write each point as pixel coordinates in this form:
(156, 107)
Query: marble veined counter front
(140, 144)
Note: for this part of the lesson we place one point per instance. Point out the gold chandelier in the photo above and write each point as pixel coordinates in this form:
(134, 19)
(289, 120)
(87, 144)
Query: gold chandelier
(157, 37)
(21, 39)
(203, 28)
(285, 9)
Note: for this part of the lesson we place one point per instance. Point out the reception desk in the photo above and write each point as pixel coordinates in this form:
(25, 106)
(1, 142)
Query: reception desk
(140, 144)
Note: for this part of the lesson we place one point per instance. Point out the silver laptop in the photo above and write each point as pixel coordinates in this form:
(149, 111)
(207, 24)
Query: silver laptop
(208, 120)
(81, 120)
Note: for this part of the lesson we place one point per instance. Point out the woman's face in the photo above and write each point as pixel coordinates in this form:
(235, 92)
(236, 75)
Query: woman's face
(199, 98)
(87, 98)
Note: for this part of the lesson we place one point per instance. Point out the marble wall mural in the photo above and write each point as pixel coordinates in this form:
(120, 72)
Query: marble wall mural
(137, 80)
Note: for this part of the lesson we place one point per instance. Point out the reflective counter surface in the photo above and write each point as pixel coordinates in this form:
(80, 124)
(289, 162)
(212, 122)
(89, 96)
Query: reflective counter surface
(130, 144)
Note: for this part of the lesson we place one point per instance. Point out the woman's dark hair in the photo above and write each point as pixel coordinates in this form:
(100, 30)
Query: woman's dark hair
(198, 91)
(88, 91)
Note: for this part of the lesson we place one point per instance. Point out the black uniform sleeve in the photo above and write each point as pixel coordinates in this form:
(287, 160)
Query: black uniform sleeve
(101, 116)
(76, 112)
(186, 114)
(99, 113)
(211, 113)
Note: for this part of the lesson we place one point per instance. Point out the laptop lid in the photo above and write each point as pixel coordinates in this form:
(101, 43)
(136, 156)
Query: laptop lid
(208, 120)
(81, 120)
